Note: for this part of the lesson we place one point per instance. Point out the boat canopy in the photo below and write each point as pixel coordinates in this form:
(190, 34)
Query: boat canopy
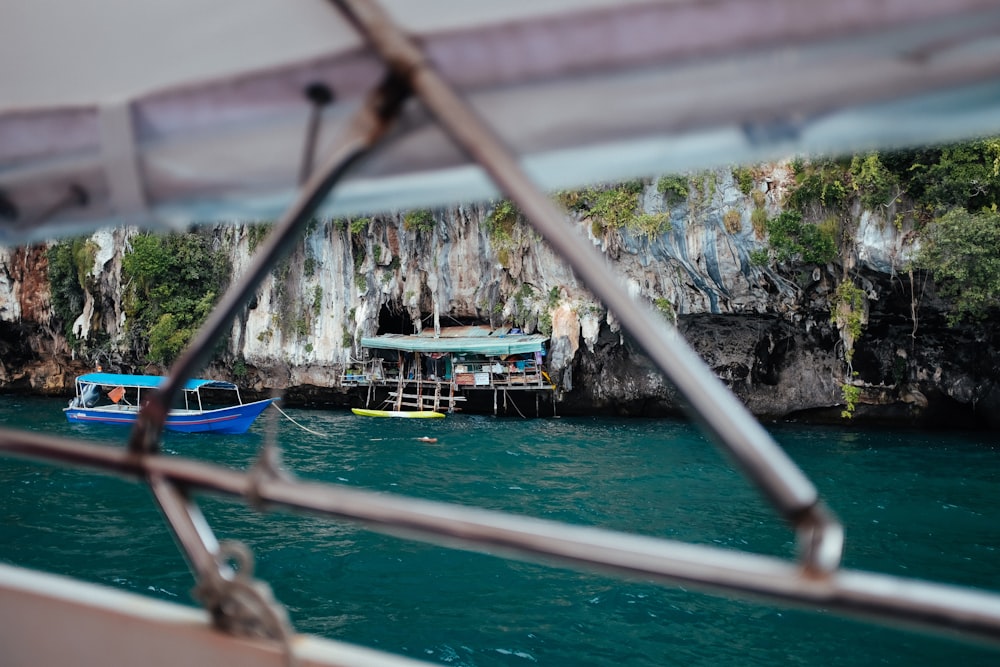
(490, 346)
(149, 381)
(170, 113)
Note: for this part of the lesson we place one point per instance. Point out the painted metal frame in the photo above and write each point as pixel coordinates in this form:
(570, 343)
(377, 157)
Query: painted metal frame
(816, 580)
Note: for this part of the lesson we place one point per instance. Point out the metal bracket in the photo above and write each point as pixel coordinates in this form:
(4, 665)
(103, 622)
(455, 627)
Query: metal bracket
(319, 95)
(238, 603)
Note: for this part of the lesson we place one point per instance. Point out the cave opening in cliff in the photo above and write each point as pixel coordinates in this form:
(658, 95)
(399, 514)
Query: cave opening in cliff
(394, 320)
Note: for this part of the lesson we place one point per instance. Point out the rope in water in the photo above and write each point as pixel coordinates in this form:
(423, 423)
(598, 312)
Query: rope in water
(304, 428)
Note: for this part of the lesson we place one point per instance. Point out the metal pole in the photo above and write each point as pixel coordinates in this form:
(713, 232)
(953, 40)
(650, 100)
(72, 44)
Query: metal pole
(820, 536)
(364, 130)
(890, 600)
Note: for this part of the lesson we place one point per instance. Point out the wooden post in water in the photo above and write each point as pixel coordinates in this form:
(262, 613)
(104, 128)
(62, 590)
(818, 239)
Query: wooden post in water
(419, 376)
(400, 382)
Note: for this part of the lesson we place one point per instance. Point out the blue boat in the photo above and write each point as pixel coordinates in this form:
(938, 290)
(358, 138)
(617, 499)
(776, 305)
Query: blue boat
(112, 398)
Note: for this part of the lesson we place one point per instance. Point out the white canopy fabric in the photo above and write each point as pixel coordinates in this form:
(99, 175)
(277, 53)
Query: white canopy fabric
(168, 113)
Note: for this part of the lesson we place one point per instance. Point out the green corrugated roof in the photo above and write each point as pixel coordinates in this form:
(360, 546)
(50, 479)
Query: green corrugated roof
(490, 346)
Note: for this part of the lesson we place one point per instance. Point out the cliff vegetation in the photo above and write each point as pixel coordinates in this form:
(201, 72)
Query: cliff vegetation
(838, 288)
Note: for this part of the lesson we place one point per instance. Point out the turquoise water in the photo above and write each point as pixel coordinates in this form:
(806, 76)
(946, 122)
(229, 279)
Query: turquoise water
(914, 505)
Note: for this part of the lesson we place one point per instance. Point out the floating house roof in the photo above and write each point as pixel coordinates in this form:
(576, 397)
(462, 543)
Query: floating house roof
(468, 340)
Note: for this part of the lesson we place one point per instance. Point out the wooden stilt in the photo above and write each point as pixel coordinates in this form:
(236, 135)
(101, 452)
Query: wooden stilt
(409, 391)
(401, 381)
(419, 376)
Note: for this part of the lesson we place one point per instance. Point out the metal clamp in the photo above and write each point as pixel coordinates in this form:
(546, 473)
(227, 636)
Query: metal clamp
(238, 604)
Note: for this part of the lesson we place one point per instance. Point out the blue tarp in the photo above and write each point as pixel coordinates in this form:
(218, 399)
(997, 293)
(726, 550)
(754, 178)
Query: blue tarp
(148, 381)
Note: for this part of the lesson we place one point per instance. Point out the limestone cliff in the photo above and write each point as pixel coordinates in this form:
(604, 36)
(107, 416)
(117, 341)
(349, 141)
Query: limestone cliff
(764, 327)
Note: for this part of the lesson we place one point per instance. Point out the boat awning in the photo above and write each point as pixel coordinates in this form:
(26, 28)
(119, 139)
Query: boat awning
(149, 381)
(176, 112)
(489, 346)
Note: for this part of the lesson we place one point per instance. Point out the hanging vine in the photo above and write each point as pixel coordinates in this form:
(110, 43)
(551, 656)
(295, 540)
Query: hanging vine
(849, 311)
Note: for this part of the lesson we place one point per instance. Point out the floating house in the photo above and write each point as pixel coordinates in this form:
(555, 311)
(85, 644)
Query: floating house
(442, 369)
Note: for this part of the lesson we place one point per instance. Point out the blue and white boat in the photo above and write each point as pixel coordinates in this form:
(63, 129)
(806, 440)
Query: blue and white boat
(112, 398)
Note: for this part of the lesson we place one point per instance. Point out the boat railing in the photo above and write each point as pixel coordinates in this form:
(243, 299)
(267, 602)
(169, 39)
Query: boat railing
(521, 373)
(815, 579)
(187, 398)
(362, 372)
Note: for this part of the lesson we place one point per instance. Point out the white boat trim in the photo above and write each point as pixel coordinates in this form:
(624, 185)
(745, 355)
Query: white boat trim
(140, 630)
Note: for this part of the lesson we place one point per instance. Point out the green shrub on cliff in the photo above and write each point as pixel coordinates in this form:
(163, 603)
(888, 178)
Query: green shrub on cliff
(940, 178)
(617, 206)
(821, 183)
(792, 239)
(928, 181)
(69, 264)
(847, 311)
(500, 224)
(171, 283)
(420, 220)
(851, 395)
(874, 183)
(502, 218)
(960, 249)
(673, 188)
(744, 178)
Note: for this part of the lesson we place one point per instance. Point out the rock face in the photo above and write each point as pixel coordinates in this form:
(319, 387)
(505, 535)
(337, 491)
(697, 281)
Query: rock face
(765, 330)
(33, 357)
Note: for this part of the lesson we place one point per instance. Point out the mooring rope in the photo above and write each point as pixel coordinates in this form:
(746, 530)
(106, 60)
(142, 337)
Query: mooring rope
(512, 403)
(304, 428)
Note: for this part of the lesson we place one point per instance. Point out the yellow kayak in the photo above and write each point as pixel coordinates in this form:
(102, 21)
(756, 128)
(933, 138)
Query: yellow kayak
(412, 414)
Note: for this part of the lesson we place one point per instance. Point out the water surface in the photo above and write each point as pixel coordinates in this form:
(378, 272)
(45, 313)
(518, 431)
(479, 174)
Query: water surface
(914, 505)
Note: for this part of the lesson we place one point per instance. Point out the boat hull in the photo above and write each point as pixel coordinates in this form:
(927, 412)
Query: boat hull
(409, 414)
(54, 620)
(233, 420)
